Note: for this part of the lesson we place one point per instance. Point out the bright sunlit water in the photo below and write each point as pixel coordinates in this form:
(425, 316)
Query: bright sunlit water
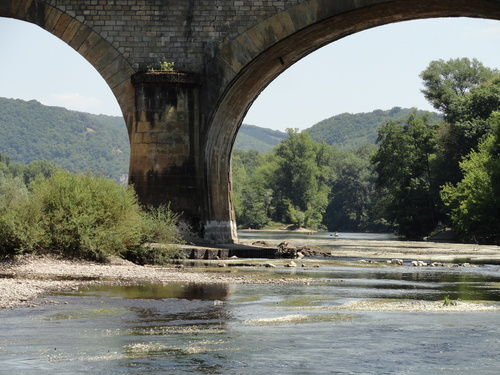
(290, 236)
(262, 329)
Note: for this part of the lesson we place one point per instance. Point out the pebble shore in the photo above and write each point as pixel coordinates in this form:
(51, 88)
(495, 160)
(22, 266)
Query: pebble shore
(24, 280)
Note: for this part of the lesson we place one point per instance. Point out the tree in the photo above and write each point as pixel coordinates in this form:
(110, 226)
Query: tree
(404, 164)
(474, 202)
(353, 195)
(467, 93)
(251, 196)
(299, 181)
(445, 81)
(467, 126)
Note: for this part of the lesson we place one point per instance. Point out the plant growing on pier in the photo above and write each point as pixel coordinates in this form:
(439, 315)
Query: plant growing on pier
(162, 66)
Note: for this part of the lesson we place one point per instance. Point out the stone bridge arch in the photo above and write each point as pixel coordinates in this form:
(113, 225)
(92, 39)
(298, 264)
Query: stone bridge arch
(182, 125)
(256, 59)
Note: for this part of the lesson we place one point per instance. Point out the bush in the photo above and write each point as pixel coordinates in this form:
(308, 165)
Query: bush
(160, 234)
(160, 225)
(20, 229)
(83, 216)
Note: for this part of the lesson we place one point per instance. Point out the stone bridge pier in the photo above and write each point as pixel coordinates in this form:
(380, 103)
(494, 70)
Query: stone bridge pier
(182, 124)
(167, 165)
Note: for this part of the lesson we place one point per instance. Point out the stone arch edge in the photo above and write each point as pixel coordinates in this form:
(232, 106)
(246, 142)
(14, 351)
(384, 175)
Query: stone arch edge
(230, 109)
(103, 56)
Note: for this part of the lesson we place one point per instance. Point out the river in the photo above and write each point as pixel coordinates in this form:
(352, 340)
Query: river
(313, 328)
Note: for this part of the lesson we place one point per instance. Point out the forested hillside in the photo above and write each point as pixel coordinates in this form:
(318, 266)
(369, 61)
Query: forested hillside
(251, 137)
(349, 131)
(80, 141)
(73, 140)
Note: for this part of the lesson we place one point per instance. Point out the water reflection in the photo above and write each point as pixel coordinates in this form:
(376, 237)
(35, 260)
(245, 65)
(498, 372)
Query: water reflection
(148, 290)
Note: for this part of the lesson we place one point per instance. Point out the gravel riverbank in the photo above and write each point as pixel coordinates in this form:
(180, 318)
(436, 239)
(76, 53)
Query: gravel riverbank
(24, 280)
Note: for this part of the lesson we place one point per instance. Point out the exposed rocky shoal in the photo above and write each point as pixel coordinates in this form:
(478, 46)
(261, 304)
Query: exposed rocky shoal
(25, 280)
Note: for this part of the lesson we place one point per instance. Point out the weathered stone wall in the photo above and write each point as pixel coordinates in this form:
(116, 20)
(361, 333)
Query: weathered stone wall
(145, 31)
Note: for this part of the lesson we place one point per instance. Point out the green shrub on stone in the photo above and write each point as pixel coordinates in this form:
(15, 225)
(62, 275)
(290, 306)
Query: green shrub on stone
(160, 225)
(160, 236)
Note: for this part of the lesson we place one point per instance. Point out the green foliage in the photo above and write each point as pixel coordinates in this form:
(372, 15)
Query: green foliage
(296, 216)
(467, 125)
(159, 225)
(415, 159)
(20, 228)
(162, 66)
(87, 217)
(299, 180)
(445, 81)
(76, 141)
(404, 164)
(474, 202)
(252, 200)
(349, 131)
(352, 205)
(81, 216)
(449, 302)
(365, 188)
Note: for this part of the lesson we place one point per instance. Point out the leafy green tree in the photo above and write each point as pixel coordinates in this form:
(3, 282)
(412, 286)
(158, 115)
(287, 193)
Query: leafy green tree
(404, 164)
(251, 197)
(445, 81)
(353, 196)
(474, 202)
(466, 127)
(299, 180)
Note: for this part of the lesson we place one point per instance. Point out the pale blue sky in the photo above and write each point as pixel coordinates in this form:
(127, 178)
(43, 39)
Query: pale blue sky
(375, 69)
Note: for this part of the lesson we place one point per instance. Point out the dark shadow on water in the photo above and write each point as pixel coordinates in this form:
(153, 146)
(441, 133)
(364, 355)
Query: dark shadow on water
(155, 291)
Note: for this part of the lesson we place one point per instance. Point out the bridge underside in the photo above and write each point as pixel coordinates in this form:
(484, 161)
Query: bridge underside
(182, 125)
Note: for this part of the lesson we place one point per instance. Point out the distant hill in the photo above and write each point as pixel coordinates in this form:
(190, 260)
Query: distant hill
(349, 131)
(251, 137)
(73, 140)
(80, 141)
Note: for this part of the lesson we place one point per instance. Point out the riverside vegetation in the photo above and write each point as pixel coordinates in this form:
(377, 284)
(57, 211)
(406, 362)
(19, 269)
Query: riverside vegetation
(409, 171)
(47, 210)
(421, 176)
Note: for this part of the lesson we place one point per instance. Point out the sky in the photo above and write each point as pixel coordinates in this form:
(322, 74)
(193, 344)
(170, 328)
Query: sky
(375, 69)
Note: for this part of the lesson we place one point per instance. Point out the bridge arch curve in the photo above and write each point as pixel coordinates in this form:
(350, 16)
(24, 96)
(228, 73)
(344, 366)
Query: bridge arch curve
(103, 56)
(317, 24)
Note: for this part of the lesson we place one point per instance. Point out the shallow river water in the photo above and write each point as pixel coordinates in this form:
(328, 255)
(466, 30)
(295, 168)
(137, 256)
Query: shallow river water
(262, 329)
